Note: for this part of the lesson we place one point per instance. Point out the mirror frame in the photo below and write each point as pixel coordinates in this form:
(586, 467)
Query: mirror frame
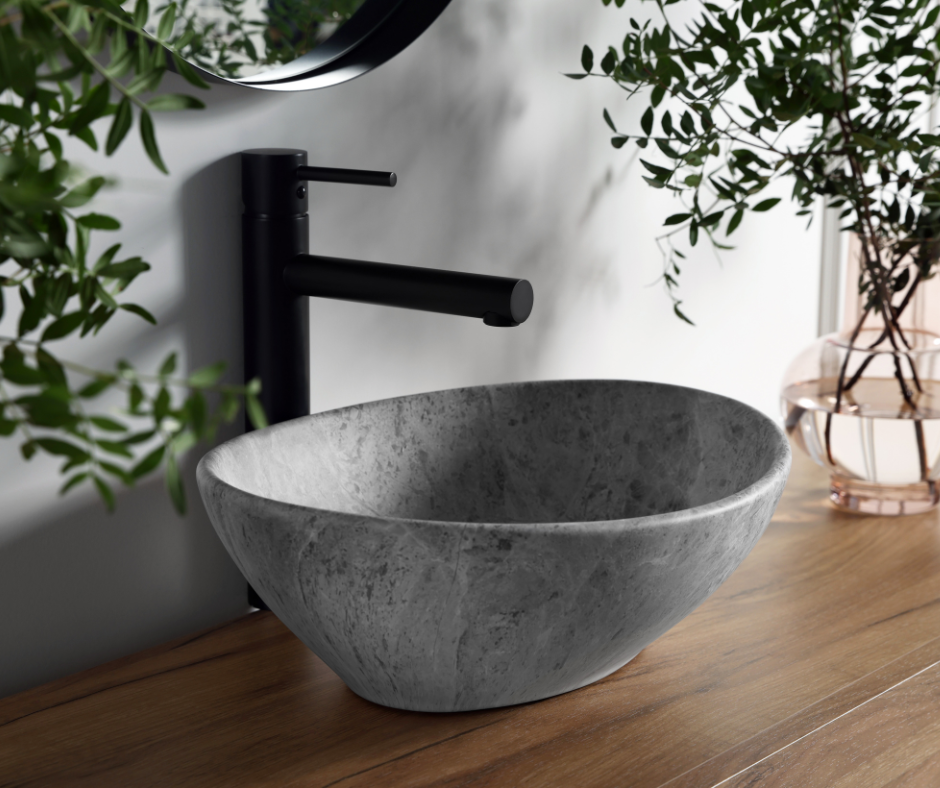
(378, 31)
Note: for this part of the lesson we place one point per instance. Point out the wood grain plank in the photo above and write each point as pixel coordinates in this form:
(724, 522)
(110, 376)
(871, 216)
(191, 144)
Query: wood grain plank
(769, 742)
(893, 739)
(825, 601)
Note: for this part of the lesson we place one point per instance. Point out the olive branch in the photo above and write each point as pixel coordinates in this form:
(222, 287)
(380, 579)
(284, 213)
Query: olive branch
(63, 67)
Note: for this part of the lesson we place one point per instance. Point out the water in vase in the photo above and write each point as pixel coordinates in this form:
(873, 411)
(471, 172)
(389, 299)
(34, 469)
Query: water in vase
(884, 456)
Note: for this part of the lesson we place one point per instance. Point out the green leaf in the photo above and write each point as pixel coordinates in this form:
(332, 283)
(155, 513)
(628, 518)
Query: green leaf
(33, 311)
(117, 471)
(141, 13)
(228, 407)
(54, 143)
(170, 102)
(168, 367)
(99, 31)
(114, 447)
(766, 205)
(96, 387)
(660, 173)
(196, 412)
(646, 122)
(51, 369)
(735, 221)
(105, 491)
(587, 58)
(17, 371)
(187, 72)
(174, 485)
(47, 410)
(609, 121)
(126, 269)
(138, 437)
(16, 115)
(82, 193)
(93, 107)
(712, 218)
(87, 136)
(135, 397)
(667, 149)
(148, 463)
(108, 425)
(62, 327)
(680, 314)
(105, 258)
(121, 124)
(901, 281)
(98, 221)
(145, 81)
(677, 218)
(207, 376)
(167, 22)
(255, 412)
(62, 449)
(77, 479)
(104, 296)
(183, 442)
(140, 312)
(150, 141)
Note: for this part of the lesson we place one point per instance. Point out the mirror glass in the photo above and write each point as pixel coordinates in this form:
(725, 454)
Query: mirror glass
(290, 44)
(238, 39)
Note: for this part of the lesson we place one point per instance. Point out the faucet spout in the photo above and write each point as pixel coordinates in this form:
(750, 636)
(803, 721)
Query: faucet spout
(497, 300)
(278, 272)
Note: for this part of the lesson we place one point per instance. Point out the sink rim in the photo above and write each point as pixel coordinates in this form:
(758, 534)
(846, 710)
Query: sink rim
(780, 465)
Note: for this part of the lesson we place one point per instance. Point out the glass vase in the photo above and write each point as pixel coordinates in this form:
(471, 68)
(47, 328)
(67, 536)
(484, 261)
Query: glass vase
(844, 405)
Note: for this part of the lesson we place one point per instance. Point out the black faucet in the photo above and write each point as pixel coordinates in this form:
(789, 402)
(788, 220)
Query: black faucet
(278, 273)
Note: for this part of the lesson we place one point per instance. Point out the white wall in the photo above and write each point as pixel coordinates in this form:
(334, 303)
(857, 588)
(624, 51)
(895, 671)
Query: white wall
(505, 167)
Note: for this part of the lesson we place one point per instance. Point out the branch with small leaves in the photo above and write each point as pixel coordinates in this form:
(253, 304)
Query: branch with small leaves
(827, 95)
(61, 64)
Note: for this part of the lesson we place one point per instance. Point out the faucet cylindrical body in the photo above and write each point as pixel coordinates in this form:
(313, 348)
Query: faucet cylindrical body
(498, 300)
(275, 228)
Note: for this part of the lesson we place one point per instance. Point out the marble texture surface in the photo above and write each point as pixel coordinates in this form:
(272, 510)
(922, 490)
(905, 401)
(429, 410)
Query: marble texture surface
(495, 545)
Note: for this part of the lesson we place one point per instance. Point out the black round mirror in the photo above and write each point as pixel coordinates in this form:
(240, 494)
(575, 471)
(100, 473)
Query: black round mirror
(290, 44)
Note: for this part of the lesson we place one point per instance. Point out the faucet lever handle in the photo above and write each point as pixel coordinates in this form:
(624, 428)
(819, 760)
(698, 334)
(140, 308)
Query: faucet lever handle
(337, 175)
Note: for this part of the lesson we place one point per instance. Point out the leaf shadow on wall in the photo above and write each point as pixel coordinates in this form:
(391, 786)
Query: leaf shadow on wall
(110, 585)
(107, 585)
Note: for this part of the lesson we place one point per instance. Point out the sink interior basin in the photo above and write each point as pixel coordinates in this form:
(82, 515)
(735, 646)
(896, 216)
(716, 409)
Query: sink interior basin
(495, 545)
(531, 453)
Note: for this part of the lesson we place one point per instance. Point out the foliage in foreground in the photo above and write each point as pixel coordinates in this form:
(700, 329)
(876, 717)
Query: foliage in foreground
(63, 66)
(831, 96)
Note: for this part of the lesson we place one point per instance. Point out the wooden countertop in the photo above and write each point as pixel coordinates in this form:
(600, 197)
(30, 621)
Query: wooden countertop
(816, 664)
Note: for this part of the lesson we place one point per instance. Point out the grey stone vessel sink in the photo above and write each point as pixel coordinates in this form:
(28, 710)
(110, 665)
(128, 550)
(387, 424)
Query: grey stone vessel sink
(495, 545)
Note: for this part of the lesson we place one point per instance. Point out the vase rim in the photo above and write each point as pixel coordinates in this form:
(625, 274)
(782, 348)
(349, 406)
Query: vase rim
(920, 340)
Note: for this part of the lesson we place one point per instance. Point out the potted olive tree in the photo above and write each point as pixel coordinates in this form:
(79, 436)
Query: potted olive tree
(835, 98)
